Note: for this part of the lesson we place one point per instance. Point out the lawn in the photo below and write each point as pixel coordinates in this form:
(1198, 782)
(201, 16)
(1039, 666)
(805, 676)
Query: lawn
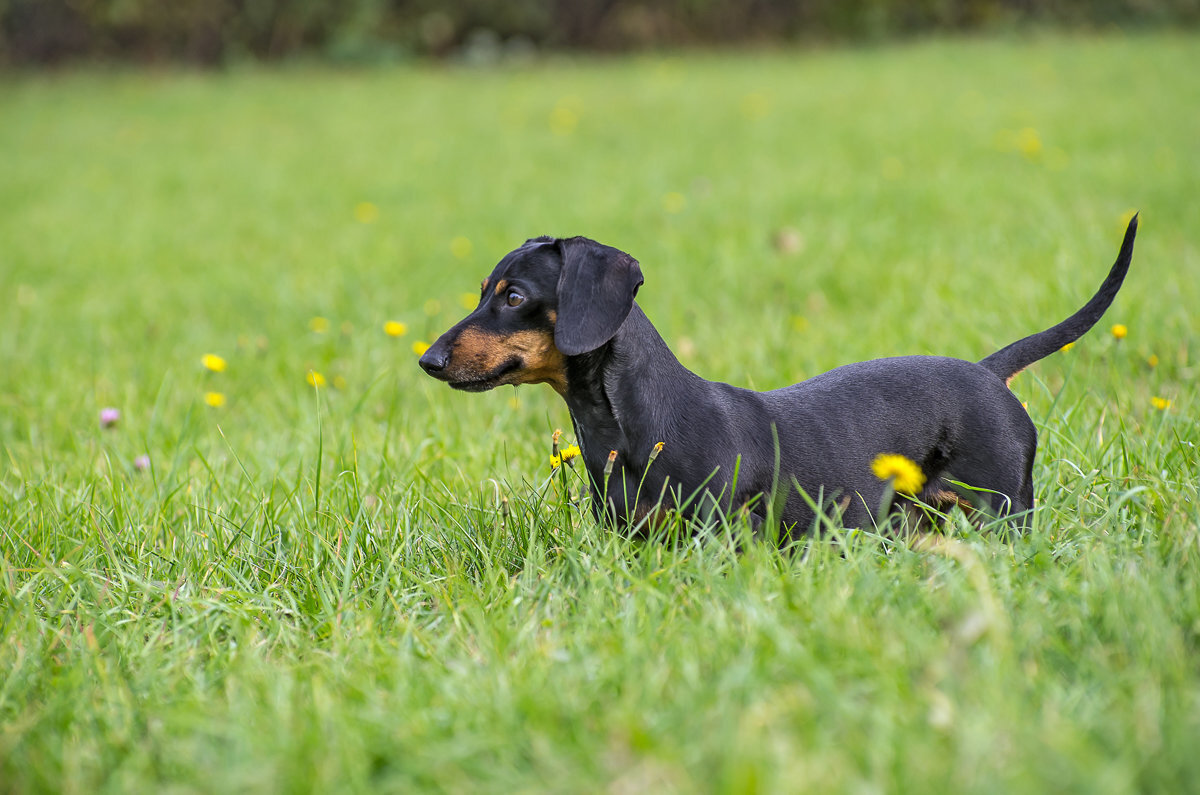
(347, 577)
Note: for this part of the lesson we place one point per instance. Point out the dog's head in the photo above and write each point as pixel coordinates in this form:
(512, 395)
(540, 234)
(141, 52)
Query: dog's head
(549, 299)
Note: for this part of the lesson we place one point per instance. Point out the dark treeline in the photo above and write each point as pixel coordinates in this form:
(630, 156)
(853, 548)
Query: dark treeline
(216, 31)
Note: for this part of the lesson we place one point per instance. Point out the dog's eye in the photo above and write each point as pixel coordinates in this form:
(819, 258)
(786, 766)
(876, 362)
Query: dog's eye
(515, 298)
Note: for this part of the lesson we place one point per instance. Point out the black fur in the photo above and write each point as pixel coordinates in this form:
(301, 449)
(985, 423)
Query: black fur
(727, 448)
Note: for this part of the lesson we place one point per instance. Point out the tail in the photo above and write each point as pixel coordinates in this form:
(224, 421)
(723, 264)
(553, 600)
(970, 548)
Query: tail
(1009, 361)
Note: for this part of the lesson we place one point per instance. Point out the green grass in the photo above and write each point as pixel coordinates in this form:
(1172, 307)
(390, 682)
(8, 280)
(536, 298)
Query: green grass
(373, 587)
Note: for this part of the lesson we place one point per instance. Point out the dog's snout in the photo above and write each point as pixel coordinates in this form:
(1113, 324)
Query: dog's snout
(434, 360)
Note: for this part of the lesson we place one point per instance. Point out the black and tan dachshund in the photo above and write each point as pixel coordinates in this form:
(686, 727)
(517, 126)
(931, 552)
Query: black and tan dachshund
(562, 312)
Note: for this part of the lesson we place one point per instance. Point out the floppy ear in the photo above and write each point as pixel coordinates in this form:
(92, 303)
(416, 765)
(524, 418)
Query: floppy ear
(595, 293)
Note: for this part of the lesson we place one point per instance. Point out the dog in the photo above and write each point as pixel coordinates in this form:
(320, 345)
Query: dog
(656, 437)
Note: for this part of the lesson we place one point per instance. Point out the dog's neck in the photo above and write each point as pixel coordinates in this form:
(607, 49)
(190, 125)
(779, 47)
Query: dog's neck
(620, 395)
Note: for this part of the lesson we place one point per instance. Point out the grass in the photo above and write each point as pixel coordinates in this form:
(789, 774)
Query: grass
(375, 585)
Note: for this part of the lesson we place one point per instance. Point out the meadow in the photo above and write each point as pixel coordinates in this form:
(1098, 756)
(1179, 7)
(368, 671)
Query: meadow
(305, 566)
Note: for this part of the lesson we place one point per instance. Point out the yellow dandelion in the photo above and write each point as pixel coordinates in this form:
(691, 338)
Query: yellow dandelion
(314, 378)
(570, 452)
(366, 213)
(339, 382)
(563, 120)
(1119, 331)
(1152, 360)
(654, 452)
(555, 461)
(319, 324)
(1162, 404)
(468, 300)
(1067, 347)
(906, 476)
(213, 362)
(394, 328)
(419, 347)
(1029, 143)
(461, 247)
(214, 399)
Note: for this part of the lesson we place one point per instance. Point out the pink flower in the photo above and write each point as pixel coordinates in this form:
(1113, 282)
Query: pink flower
(141, 463)
(109, 417)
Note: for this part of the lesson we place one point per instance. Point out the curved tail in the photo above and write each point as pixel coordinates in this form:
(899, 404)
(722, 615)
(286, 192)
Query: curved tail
(1009, 361)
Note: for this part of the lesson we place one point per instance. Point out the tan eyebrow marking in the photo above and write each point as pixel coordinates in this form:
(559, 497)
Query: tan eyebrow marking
(500, 285)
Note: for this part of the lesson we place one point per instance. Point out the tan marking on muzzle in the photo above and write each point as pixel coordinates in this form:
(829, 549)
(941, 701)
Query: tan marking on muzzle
(477, 353)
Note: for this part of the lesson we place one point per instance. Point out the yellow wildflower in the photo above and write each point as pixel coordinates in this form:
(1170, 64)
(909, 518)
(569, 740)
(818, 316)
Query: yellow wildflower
(214, 399)
(906, 476)
(314, 378)
(419, 347)
(555, 461)
(394, 328)
(1119, 331)
(1029, 143)
(1067, 347)
(461, 247)
(1152, 360)
(319, 324)
(570, 452)
(213, 362)
(366, 212)
(468, 300)
(1162, 404)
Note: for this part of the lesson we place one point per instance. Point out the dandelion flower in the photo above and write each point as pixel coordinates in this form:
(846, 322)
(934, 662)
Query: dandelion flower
(1119, 331)
(1162, 404)
(314, 378)
(394, 328)
(319, 324)
(214, 399)
(213, 362)
(109, 417)
(461, 247)
(1067, 347)
(555, 461)
(563, 120)
(654, 453)
(468, 300)
(1029, 143)
(420, 347)
(1152, 360)
(366, 213)
(570, 452)
(906, 476)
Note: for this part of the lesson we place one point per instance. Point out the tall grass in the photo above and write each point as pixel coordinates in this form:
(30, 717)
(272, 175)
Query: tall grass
(376, 584)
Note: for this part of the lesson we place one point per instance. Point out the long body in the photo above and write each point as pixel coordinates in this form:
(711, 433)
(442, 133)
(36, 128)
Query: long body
(562, 311)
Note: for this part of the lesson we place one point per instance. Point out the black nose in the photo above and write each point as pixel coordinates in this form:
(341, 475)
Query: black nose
(433, 361)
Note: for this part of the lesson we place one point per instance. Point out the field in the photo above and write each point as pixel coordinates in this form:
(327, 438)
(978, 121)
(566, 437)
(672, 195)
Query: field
(347, 577)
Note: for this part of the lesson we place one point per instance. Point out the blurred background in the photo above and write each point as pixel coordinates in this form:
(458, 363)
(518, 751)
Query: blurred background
(212, 32)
